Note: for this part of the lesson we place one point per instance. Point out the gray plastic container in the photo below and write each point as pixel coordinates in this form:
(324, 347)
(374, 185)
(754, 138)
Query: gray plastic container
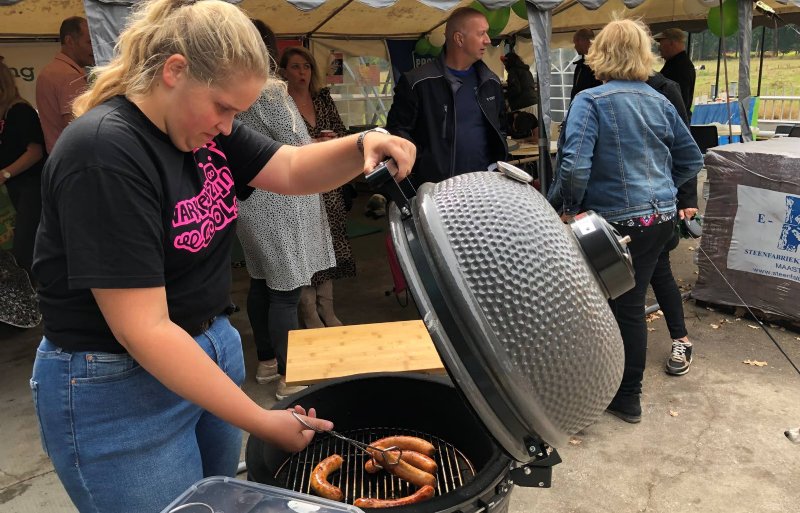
(227, 495)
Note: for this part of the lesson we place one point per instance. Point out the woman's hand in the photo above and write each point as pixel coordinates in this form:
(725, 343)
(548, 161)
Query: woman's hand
(686, 213)
(288, 433)
(379, 146)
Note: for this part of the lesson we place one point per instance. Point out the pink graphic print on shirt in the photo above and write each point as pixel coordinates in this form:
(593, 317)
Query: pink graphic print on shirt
(211, 210)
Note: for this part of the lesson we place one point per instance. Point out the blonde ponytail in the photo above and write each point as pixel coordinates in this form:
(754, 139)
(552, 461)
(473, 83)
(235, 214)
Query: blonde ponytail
(217, 39)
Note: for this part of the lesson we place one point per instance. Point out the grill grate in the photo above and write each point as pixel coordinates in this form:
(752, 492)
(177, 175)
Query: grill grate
(295, 473)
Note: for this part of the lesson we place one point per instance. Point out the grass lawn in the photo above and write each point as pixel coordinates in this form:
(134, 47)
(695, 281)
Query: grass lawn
(781, 77)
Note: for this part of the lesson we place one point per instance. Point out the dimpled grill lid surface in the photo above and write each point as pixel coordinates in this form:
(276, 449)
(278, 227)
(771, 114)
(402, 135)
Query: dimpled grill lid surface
(529, 311)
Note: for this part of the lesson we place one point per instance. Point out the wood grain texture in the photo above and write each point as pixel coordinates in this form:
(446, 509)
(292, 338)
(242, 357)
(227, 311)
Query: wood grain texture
(319, 354)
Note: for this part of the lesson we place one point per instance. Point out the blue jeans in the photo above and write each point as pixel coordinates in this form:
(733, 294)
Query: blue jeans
(119, 440)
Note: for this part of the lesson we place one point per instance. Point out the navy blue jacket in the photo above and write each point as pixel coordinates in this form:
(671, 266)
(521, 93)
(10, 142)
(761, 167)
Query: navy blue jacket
(424, 113)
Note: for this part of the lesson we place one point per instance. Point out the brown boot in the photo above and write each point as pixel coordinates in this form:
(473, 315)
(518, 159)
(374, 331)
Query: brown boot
(307, 309)
(325, 304)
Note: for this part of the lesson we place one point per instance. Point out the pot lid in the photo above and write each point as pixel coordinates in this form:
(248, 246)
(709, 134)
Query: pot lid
(514, 304)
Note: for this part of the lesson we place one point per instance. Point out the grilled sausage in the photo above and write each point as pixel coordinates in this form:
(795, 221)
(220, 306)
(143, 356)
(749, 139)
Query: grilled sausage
(423, 494)
(319, 478)
(404, 470)
(407, 443)
(416, 459)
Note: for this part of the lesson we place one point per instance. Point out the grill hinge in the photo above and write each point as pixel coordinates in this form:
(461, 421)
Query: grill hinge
(538, 473)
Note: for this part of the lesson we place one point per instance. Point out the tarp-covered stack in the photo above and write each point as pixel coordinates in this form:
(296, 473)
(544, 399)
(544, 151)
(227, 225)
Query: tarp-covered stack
(751, 229)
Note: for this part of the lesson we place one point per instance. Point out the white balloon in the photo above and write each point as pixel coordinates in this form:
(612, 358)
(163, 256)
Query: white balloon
(436, 38)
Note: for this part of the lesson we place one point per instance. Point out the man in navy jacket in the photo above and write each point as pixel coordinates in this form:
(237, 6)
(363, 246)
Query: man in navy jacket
(452, 108)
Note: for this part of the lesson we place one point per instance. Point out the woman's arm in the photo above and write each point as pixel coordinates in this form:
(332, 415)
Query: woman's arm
(324, 166)
(33, 154)
(687, 160)
(140, 322)
(575, 163)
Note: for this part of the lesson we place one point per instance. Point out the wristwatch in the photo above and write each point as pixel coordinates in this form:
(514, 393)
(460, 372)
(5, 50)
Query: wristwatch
(360, 140)
(6, 174)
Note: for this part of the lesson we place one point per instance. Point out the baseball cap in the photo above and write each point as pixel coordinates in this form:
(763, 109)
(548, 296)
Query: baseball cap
(673, 34)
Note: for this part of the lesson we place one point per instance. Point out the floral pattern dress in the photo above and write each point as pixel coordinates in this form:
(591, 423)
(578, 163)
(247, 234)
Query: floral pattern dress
(328, 119)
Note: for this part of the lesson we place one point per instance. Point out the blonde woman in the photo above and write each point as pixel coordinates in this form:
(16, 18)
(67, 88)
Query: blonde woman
(286, 239)
(22, 156)
(623, 151)
(323, 123)
(137, 380)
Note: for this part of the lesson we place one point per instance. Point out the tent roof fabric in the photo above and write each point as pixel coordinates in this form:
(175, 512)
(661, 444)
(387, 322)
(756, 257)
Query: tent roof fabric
(398, 19)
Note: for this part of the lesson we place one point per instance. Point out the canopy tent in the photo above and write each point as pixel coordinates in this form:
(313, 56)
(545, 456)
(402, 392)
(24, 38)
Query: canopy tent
(355, 19)
(348, 21)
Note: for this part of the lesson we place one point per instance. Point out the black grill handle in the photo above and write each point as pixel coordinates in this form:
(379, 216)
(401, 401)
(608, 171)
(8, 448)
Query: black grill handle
(380, 179)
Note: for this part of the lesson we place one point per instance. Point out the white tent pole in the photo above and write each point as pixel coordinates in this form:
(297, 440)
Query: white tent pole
(540, 23)
(745, 42)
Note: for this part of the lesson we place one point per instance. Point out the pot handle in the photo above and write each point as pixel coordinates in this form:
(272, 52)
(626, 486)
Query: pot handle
(380, 179)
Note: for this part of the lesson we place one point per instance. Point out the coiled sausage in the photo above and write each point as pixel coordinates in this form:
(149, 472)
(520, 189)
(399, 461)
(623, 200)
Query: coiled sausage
(319, 478)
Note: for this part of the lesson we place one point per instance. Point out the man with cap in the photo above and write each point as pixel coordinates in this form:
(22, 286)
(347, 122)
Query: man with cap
(583, 76)
(677, 65)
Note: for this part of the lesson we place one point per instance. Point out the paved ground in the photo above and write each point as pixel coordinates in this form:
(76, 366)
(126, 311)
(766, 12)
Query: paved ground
(710, 441)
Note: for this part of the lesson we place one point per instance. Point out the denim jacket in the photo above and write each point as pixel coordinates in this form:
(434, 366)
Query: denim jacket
(622, 153)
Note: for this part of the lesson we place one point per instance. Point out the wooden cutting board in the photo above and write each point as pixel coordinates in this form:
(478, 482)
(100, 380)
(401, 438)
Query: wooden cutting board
(319, 354)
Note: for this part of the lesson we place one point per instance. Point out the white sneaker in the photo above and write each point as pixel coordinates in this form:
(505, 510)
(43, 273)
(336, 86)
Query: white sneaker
(267, 372)
(285, 391)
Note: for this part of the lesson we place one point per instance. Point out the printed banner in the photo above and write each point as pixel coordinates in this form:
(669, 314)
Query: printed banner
(26, 60)
(335, 73)
(369, 76)
(766, 234)
(403, 57)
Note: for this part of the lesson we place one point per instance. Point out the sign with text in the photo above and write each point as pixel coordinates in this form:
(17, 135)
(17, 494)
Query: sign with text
(26, 60)
(335, 69)
(766, 234)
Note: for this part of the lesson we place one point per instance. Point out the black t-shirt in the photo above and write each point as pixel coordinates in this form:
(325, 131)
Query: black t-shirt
(18, 129)
(124, 208)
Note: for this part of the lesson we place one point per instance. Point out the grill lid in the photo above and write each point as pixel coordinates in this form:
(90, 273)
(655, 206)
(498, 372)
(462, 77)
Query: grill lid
(514, 304)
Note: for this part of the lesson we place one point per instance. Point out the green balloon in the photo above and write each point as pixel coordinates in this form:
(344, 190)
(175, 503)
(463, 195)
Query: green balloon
(423, 46)
(731, 7)
(435, 51)
(498, 20)
(479, 7)
(520, 9)
(731, 21)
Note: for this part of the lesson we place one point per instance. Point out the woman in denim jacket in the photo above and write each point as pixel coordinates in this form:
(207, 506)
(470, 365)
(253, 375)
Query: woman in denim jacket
(623, 152)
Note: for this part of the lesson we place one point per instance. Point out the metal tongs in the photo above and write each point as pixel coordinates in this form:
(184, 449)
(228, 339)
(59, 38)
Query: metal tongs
(391, 455)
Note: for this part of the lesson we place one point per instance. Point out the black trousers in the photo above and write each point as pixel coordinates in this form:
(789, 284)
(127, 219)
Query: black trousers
(272, 314)
(667, 293)
(25, 194)
(647, 244)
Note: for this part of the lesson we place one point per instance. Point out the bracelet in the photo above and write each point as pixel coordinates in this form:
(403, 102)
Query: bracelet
(360, 140)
